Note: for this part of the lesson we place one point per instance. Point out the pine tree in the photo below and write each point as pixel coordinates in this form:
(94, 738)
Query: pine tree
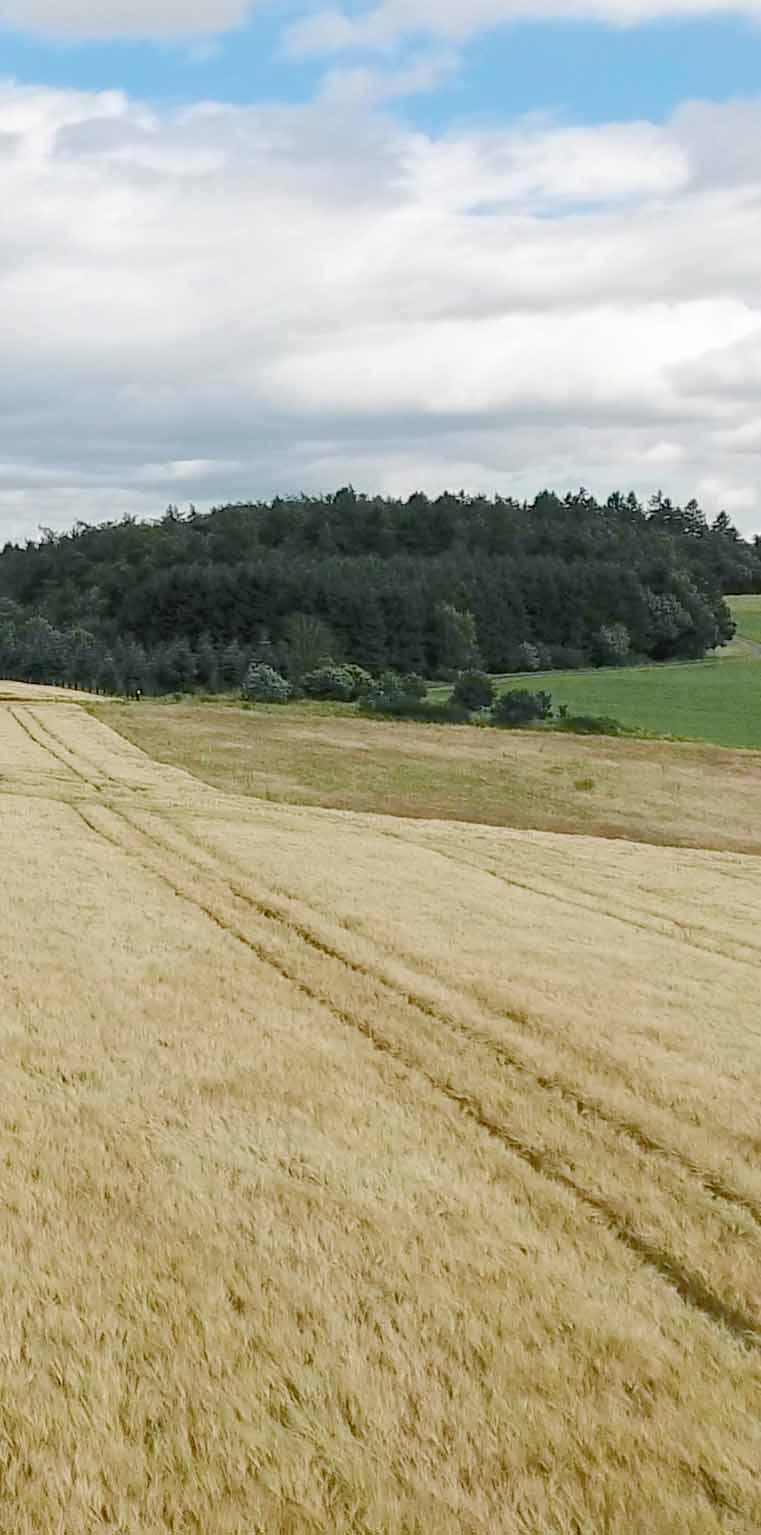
(207, 664)
(109, 679)
(232, 665)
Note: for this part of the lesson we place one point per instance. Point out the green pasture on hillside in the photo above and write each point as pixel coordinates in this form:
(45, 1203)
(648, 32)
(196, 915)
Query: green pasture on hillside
(746, 612)
(717, 701)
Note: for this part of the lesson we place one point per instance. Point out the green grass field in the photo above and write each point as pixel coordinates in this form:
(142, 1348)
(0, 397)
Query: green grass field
(717, 700)
(746, 612)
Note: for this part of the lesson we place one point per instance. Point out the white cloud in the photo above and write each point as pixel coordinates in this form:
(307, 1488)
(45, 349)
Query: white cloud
(224, 302)
(123, 18)
(380, 25)
(367, 87)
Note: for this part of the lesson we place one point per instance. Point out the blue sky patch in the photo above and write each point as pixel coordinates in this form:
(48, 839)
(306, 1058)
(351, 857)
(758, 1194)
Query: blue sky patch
(580, 71)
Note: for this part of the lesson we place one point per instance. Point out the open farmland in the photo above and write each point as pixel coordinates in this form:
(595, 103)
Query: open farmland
(11, 692)
(713, 700)
(746, 612)
(367, 1174)
(717, 700)
(674, 793)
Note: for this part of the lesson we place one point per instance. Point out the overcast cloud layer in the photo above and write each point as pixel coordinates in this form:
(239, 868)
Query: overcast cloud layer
(381, 25)
(374, 24)
(227, 302)
(124, 18)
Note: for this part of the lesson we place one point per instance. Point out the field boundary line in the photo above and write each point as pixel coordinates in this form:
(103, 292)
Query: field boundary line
(713, 1183)
(589, 905)
(45, 746)
(594, 1060)
(582, 1102)
(691, 1290)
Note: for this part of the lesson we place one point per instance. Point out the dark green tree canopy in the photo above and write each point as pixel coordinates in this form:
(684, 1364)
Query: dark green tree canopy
(428, 586)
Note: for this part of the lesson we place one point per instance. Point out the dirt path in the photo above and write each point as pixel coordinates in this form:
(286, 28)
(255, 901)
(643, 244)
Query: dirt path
(752, 646)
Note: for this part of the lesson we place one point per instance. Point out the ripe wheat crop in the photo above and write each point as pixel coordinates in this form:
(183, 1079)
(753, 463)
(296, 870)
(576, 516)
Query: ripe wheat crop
(367, 1175)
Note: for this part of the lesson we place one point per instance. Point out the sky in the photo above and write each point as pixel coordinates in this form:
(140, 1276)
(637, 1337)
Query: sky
(260, 248)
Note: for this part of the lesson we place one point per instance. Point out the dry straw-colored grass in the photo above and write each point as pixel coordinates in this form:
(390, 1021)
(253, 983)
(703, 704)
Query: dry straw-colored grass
(30, 692)
(361, 1174)
(673, 794)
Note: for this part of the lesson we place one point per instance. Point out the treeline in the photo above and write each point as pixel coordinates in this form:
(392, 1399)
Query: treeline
(34, 650)
(416, 586)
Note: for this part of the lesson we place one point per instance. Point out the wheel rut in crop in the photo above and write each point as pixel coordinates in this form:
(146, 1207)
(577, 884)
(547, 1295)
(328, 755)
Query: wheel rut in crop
(181, 869)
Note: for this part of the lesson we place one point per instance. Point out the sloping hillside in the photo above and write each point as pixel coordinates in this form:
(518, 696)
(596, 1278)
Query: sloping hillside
(362, 1174)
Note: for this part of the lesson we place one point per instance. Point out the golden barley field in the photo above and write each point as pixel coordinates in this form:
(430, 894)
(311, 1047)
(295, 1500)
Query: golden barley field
(361, 1174)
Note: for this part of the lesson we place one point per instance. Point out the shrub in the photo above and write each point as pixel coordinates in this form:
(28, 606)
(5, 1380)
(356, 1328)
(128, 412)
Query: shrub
(413, 686)
(589, 725)
(362, 681)
(612, 645)
(449, 713)
(567, 658)
(401, 706)
(263, 685)
(529, 656)
(474, 690)
(521, 708)
(393, 685)
(330, 681)
(392, 693)
(525, 658)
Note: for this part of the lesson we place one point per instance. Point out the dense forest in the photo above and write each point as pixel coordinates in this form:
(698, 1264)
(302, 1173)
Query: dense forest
(418, 585)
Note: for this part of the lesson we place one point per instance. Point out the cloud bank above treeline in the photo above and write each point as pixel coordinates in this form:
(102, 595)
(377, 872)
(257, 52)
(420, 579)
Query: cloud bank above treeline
(222, 302)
